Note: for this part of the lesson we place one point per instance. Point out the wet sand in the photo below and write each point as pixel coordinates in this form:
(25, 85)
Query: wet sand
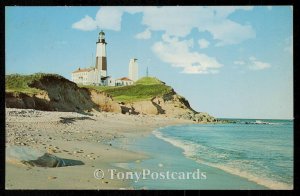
(80, 137)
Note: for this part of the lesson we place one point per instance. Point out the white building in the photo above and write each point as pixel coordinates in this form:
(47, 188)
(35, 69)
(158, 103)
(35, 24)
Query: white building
(98, 74)
(133, 70)
(84, 76)
(123, 82)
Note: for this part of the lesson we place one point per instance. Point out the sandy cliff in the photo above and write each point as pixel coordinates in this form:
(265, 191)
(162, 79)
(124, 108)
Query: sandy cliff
(60, 94)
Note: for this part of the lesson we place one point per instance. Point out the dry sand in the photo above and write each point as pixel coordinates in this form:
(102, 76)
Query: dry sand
(80, 137)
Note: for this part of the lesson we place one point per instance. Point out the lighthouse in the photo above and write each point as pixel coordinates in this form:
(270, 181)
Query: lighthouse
(97, 74)
(101, 62)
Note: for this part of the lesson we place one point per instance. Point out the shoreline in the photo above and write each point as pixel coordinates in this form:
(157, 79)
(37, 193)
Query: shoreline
(70, 135)
(99, 140)
(166, 157)
(188, 153)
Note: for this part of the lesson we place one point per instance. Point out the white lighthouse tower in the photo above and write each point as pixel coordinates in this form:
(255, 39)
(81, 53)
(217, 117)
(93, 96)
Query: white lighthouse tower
(133, 70)
(101, 62)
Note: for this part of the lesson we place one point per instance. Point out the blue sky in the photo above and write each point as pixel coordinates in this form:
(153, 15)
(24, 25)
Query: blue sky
(234, 62)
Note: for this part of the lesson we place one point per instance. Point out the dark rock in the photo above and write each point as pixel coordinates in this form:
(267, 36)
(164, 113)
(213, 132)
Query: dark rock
(49, 160)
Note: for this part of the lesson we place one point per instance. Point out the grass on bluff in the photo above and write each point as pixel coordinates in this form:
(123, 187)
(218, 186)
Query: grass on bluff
(17, 83)
(143, 89)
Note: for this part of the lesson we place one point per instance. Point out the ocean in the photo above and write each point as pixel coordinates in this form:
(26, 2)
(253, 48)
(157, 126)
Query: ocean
(249, 154)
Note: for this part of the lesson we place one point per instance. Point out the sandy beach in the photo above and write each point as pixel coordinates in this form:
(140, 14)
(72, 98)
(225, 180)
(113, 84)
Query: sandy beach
(86, 138)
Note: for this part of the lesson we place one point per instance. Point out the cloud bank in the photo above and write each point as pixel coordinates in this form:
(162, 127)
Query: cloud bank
(177, 22)
(253, 64)
(179, 54)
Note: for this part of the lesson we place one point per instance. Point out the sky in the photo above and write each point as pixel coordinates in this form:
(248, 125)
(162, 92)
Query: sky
(229, 61)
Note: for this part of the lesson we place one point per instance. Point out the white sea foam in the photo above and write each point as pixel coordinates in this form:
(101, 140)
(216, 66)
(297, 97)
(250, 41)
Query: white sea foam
(258, 122)
(190, 150)
(251, 177)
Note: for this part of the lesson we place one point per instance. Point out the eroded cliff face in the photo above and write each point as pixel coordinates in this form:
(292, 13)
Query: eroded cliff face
(169, 105)
(104, 102)
(60, 94)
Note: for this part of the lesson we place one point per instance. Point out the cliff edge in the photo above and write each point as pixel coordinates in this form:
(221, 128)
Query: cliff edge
(51, 92)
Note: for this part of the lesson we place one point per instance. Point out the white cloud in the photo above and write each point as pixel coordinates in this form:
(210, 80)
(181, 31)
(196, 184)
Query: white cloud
(168, 38)
(258, 65)
(253, 64)
(269, 7)
(176, 21)
(179, 21)
(144, 35)
(203, 43)
(85, 24)
(229, 32)
(179, 54)
(107, 17)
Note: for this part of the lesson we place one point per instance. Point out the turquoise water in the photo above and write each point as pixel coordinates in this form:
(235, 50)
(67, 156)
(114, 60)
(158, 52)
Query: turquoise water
(260, 151)
(165, 157)
(256, 155)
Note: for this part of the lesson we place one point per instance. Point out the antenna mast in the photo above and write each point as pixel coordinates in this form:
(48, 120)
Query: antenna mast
(147, 72)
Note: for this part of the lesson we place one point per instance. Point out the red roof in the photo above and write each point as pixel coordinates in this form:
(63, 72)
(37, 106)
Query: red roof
(83, 70)
(124, 79)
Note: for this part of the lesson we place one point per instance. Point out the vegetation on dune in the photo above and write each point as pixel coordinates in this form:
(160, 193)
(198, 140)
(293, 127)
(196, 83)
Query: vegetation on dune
(149, 81)
(143, 89)
(17, 83)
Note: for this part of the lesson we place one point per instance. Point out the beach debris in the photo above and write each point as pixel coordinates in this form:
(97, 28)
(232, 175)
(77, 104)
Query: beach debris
(49, 160)
(32, 157)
